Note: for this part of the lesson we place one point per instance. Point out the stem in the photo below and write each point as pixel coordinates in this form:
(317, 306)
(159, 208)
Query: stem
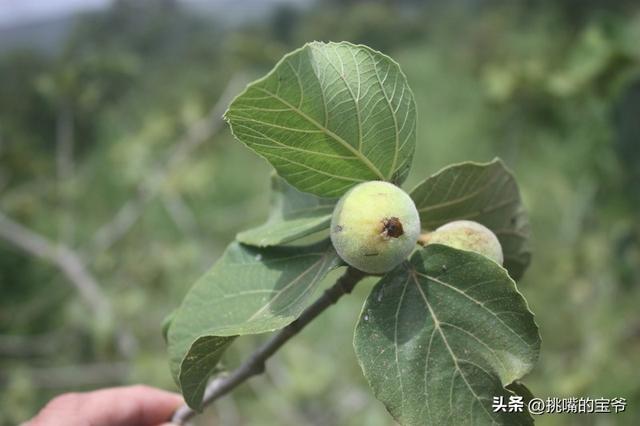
(70, 263)
(424, 238)
(255, 364)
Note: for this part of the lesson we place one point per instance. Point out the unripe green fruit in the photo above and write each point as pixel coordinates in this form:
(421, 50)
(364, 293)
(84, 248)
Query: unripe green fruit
(468, 235)
(375, 226)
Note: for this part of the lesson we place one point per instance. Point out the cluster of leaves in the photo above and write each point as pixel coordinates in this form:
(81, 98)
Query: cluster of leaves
(438, 336)
(582, 285)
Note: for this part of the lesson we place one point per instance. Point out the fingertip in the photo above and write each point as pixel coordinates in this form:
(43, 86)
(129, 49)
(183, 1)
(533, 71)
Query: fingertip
(136, 404)
(156, 405)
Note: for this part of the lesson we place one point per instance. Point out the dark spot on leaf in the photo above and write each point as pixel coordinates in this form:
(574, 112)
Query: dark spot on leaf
(371, 254)
(338, 228)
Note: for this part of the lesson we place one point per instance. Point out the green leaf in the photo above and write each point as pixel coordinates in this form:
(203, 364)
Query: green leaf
(166, 323)
(294, 215)
(200, 363)
(249, 290)
(329, 116)
(483, 192)
(441, 335)
(521, 390)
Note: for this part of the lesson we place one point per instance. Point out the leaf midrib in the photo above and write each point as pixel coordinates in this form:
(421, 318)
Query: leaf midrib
(436, 323)
(328, 132)
(320, 262)
(391, 110)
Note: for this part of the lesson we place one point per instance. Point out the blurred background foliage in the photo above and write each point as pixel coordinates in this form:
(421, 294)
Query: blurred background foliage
(113, 160)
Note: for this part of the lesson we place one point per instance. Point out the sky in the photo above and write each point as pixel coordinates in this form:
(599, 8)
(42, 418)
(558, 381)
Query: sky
(17, 12)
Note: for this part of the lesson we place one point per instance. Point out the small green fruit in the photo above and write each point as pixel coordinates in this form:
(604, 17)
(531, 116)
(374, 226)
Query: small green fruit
(468, 235)
(375, 226)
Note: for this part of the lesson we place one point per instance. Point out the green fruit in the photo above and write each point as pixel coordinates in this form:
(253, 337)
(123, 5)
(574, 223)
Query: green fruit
(468, 235)
(375, 226)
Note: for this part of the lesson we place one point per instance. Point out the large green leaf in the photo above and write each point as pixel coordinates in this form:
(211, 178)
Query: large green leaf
(249, 290)
(329, 116)
(441, 335)
(294, 215)
(483, 192)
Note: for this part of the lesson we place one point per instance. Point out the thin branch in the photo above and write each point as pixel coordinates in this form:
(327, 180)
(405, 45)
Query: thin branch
(184, 219)
(72, 266)
(129, 213)
(255, 364)
(64, 258)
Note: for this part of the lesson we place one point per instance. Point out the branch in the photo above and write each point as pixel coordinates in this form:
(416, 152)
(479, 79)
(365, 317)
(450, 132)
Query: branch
(129, 213)
(181, 214)
(255, 364)
(71, 265)
(64, 258)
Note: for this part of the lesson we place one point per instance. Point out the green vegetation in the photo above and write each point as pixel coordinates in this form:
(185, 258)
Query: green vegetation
(112, 146)
(445, 331)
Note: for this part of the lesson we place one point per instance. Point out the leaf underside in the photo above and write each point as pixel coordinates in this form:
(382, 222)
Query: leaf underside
(249, 290)
(483, 192)
(199, 364)
(441, 335)
(329, 116)
(294, 215)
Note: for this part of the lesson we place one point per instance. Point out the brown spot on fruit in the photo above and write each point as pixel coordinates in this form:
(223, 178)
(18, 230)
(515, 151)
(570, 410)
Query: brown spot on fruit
(365, 241)
(392, 227)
